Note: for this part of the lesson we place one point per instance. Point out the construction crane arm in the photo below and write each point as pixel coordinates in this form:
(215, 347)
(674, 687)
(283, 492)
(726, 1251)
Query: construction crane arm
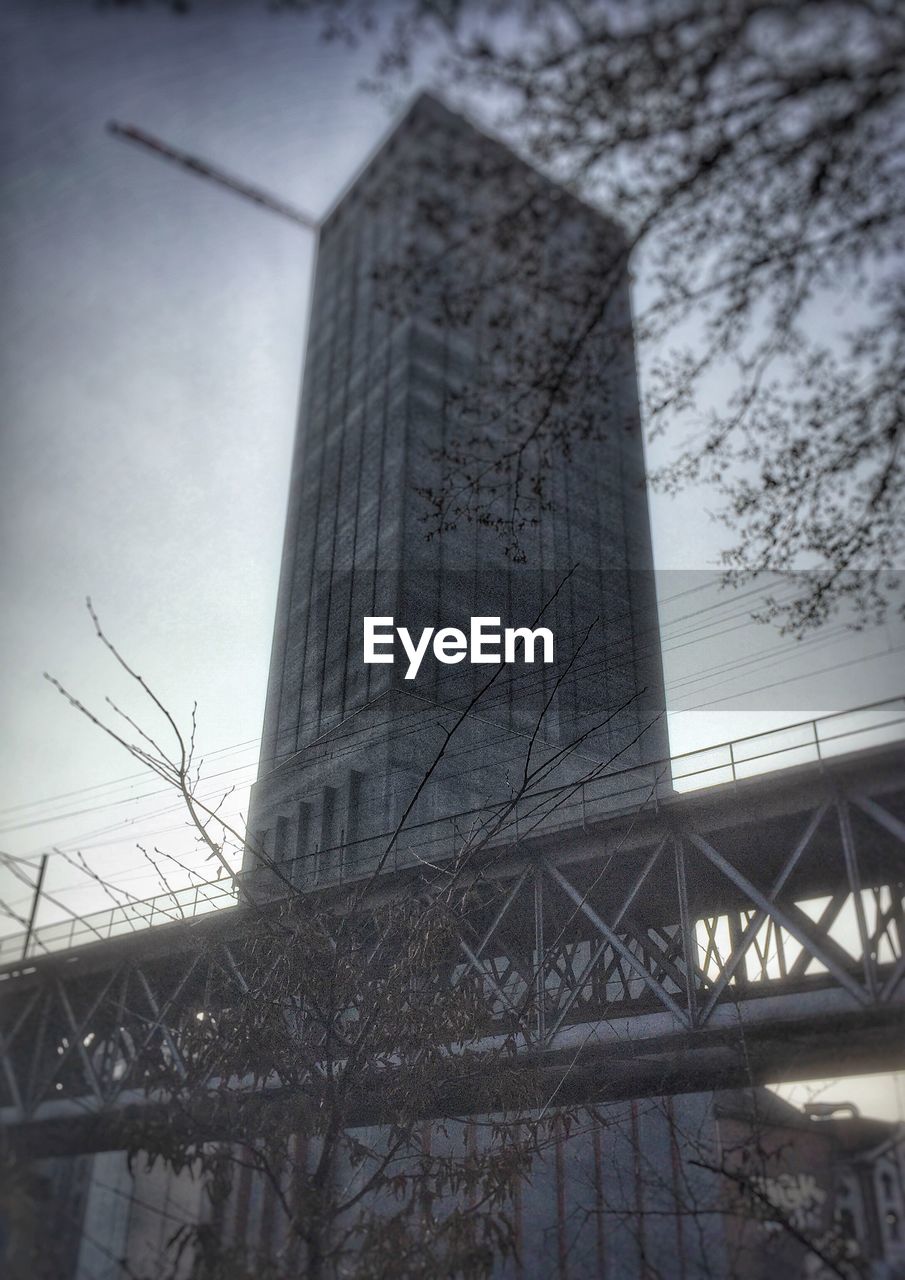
(202, 169)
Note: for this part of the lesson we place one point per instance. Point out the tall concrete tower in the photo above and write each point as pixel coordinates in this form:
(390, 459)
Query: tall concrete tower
(468, 445)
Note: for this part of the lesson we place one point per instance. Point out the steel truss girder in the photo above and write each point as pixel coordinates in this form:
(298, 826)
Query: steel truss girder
(681, 927)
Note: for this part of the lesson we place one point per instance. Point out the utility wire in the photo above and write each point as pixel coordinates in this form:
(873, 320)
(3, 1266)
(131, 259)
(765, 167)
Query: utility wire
(607, 662)
(444, 818)
(506, 734)
(250, 742)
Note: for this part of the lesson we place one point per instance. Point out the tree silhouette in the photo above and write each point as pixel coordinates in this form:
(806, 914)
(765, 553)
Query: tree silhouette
(752, 153)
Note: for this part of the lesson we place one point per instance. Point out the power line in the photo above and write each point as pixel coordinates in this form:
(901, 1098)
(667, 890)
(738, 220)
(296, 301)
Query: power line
(614, 773)
(486, 809)
(526, 679)
(415, 721)
(177, 806)
(775, 684)
(251, 742)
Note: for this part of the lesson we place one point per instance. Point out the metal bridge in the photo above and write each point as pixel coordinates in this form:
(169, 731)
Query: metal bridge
(748, 931)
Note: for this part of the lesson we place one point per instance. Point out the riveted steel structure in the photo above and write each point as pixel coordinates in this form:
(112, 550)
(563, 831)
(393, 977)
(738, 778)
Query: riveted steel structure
(753, 931)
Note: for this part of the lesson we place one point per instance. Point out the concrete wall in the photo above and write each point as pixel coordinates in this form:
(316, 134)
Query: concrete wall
(615, 1197)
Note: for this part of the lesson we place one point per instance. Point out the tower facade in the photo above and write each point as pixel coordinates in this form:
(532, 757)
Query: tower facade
(468, 446)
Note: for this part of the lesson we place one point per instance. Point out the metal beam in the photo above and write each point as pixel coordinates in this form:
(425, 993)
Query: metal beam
(772, 909)
(617, 944)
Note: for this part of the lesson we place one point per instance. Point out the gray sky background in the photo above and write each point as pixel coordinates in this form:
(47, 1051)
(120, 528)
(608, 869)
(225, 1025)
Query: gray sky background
(152, 343)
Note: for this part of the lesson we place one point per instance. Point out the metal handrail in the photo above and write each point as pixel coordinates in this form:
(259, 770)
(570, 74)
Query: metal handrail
(205, 897)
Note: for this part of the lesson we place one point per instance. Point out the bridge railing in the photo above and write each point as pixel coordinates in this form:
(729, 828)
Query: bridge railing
(806, 742)
(127, 917)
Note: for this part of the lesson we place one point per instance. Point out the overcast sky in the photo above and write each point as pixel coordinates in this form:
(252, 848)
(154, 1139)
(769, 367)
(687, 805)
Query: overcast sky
(152, 345)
